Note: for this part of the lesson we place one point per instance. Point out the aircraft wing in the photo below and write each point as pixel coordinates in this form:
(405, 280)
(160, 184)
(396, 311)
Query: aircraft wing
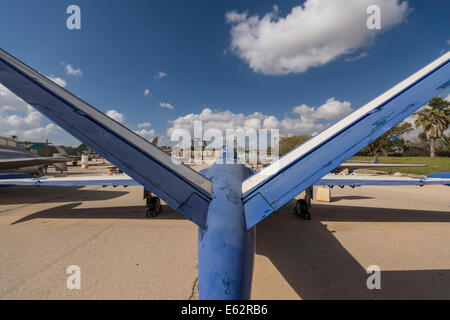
(103, 180)
(444, 175)
(6, 164)
(328, 180)
(179, 186)
(357, 180)
(278, 183)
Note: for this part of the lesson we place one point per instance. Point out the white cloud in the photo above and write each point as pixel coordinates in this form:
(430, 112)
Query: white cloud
(305, 120)
(166, 105)
(10, 102)
(160, 75)
(295, 126)
(41, 132)
(358, 57)
(311, 35)
(27, 126)
(31, 120)
(59, 81)
(331, 110)
(220, 120)
(113, 114)
(144, 125)
(72, 71)
(146, 134)
(146, 92)
(20, 119)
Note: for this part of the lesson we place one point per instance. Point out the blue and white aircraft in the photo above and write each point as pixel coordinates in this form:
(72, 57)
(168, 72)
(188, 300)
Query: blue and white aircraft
(15, 159)
(229, 200)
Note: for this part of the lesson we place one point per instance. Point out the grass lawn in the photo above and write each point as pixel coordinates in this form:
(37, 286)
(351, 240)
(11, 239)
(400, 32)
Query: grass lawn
(434, 164)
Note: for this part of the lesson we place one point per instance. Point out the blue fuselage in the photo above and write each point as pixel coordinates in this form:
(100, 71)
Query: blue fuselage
(226, 248)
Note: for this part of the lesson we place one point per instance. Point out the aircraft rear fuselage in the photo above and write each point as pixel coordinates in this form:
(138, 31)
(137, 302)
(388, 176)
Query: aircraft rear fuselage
(226, 248)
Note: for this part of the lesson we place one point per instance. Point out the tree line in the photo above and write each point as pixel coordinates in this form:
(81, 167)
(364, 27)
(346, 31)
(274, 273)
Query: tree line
(434, 120)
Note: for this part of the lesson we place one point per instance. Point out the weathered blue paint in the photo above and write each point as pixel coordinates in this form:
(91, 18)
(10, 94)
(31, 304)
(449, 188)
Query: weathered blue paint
(68, 182)
(442, 175)
(328, 180)
(14, 176)
(308, 168)
(225, 247)
(178, 185)
(381, 181)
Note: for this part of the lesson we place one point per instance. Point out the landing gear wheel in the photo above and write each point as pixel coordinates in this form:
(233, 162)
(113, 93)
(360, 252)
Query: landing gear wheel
(153, 207)
(302, 209)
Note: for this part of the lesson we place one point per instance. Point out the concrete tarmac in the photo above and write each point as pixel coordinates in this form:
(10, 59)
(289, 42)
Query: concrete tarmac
(122, 255)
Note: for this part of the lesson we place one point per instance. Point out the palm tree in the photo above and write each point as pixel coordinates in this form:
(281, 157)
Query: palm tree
(434, 120)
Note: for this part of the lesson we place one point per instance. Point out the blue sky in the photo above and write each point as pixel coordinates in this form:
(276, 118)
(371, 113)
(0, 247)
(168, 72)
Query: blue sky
(123, 45)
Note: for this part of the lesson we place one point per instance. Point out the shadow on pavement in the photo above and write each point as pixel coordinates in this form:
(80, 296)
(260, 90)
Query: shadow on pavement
(70, 211)
(317, 266)
(307, 254)
(43, 194)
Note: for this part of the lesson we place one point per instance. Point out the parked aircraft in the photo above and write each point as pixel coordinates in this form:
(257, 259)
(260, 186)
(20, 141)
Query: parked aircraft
(15, 159)
(228, 200)
(302, 206)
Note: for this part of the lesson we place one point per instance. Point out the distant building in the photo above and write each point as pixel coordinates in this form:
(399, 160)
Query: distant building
(47, 149)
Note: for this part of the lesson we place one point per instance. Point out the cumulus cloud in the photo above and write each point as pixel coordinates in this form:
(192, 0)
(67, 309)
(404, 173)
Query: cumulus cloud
(41, 132)
(220, 120)
(304, 119)
(331, 110)
(146, 134)
(72, 71)
(223, 120)
(19, 119)
(312, 34)
(160, 75)
(166, 105)
(27, 127)
(15, 122)
(146, 92)
(113, 114)
(59, 81)
(10, 102)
